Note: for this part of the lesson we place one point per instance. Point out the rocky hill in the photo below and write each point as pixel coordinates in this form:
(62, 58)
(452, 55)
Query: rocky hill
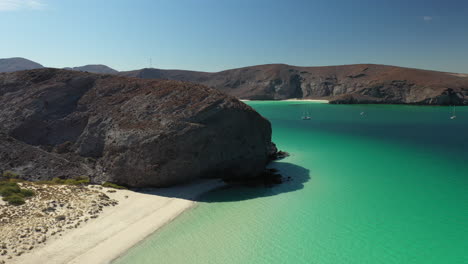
(348, 84)
(363, 83)
(94, 68)
(129, 131)
(18, 64)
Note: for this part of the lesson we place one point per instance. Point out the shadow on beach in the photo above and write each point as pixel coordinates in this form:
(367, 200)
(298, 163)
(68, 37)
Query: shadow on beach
(214, 191)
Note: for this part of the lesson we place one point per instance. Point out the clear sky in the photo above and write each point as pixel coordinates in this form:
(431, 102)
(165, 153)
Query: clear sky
(213, 35)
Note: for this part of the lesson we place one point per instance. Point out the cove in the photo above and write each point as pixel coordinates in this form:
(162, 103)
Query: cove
(370, 184)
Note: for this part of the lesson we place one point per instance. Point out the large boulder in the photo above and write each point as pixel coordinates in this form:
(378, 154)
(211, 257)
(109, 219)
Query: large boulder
(130, 131)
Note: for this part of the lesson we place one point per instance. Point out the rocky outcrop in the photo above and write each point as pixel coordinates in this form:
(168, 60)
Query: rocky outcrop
(18, 64)
(363, 83)
(34, 163)
(127, 131)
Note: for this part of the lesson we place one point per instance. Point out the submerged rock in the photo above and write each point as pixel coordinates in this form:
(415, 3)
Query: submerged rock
(129, 131)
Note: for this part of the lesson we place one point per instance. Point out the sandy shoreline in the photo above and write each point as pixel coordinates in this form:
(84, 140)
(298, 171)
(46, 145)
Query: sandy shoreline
(308, 100)
(121, 227)
(295, 99)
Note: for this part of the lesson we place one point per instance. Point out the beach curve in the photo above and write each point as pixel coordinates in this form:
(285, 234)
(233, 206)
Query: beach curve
(119, 228)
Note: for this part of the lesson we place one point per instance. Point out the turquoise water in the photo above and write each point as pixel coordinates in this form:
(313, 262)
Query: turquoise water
(389, 186)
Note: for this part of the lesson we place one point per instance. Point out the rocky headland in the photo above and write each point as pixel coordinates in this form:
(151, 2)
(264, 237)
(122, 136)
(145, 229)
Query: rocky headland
(129, 131)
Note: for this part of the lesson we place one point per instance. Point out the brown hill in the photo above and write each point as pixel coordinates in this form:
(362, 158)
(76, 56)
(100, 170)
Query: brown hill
(362, 83)
(130, 131)
(94, 68)
(18, 64)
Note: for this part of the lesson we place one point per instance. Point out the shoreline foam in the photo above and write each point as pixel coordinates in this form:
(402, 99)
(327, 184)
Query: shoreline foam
(119, 228)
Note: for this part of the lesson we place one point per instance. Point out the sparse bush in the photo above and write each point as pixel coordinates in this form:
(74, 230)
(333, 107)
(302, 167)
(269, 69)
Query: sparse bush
(82, 180)
(9, 190)
(12, 193)
(76, 181)
(113, 185)
(14, 199)
(27, 193)
(58, 181)
(10, 175)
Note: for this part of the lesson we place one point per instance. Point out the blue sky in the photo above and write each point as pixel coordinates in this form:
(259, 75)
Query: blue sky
(213, 35)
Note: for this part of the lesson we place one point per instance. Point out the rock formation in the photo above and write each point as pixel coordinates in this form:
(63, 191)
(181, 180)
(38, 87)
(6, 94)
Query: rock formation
(128, 131)
(364, 83)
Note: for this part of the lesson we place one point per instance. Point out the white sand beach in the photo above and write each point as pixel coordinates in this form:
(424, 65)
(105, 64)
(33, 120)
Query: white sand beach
(308, 100)
(118, 228)
(296, 99)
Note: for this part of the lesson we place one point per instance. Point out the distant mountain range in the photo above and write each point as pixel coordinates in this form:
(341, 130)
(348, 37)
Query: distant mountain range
(95, 68)
(18, 64)
(361, 83)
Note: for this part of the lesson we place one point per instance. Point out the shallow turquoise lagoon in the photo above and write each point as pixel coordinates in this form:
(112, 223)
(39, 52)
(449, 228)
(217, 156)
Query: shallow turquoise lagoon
(388, 186)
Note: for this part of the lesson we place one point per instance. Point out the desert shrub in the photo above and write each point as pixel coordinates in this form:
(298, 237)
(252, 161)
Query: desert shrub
(76, 181)
(8, 183)
(8, 190)
(57, 181)
(113, 185)
(9, 175)
(14, 199)
(82, 180)
(12, 193)
(27, 193)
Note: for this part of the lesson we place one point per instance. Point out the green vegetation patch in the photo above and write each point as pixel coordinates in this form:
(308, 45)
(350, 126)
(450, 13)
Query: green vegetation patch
(113, 185)
(14, 199)
(83, 180)
(9, 175)
(13, 193)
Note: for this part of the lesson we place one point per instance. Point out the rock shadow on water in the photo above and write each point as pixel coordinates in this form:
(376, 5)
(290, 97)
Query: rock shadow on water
(294, 177)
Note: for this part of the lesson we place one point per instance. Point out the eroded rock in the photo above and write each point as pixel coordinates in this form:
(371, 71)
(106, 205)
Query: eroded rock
(136, 132)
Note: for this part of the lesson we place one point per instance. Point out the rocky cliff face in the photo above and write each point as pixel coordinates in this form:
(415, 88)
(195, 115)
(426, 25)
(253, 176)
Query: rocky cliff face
(128, 131)
(364, 83)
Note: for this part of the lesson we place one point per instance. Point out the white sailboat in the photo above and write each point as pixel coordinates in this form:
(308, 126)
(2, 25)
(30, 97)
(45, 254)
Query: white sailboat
(453, 114)
(306, 116)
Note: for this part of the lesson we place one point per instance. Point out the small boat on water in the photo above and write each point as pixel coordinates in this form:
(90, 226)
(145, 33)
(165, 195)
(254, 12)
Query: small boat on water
(453, 114)
(306, 118)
